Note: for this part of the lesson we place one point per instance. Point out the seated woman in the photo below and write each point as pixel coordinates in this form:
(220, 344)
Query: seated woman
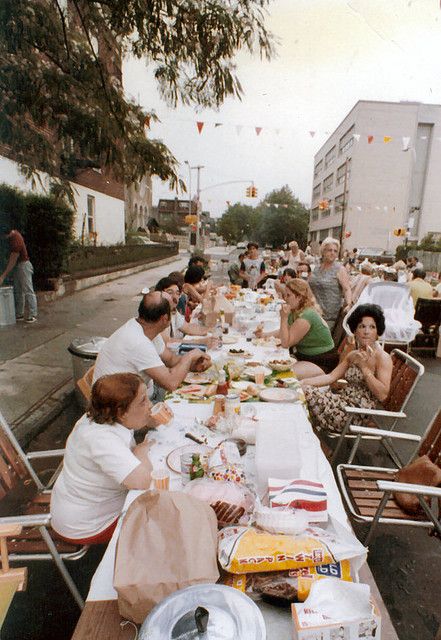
(302, 327)
(195, 287)
(367, 370)
(102, 462)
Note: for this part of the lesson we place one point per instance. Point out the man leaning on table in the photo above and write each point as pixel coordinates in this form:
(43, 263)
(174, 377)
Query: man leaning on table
(138, 347)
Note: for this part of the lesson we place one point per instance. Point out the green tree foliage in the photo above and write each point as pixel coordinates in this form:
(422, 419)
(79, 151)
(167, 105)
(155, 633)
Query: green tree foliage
(239, 222)
(61, 105)
(278, 219)
(284, 218)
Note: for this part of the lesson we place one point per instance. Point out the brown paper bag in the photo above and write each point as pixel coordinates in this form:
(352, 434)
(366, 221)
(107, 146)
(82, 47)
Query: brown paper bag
(168, 541)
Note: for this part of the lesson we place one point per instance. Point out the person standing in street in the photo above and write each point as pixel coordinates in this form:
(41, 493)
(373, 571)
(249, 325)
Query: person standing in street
(22, 270)
(252, 267)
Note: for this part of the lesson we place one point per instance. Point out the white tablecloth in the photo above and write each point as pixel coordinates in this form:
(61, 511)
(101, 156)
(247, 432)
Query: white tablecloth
(173, 435)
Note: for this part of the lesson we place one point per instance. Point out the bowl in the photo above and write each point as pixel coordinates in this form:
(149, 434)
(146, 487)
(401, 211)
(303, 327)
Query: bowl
(281, 364)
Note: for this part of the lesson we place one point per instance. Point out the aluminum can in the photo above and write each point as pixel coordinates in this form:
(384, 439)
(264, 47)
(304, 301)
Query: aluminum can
(186, 460)
(232, 405)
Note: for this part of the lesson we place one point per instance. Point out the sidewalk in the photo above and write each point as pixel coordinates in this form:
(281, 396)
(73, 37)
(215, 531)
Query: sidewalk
(35, 366)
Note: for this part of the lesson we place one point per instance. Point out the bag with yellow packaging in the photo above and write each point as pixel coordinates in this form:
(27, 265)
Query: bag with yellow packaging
(252, 550)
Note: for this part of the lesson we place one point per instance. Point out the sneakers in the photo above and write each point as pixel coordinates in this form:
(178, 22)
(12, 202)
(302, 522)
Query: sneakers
(31, 320)
(19, 318)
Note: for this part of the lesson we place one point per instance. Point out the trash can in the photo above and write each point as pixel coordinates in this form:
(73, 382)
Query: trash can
(84, 352)
(7, 306)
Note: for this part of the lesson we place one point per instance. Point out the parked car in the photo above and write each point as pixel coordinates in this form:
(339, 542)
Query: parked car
(373, 254)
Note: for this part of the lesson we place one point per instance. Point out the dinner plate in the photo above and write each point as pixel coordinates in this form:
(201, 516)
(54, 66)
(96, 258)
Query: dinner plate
(272, 341)
(274, 394)
(227, 339)
(173, 459)
(250, 372)
(189, 389)
(193, 377)
(241, 385)
(242, 354)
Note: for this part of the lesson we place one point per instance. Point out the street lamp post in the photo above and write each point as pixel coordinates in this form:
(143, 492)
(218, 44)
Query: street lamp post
(198, 193)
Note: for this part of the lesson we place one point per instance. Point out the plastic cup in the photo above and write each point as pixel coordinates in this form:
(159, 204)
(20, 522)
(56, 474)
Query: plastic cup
(161, 479)
(259, 377)
(161, 413)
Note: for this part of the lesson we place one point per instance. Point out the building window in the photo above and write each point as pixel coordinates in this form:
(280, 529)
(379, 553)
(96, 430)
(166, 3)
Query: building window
(318, 168)
(341, 173)
(91, 214)
(314, 214)
(316, 191)
(328, 183)
(330, 157)
(346, 141)
(338, 206)
(324, 233)
(335, 232)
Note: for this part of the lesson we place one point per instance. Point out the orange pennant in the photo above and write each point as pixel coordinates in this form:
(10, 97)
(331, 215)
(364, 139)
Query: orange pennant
(387, 139)
(370, 139)
(200, 126)
(258, 130)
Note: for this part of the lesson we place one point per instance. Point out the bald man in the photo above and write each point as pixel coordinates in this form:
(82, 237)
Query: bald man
(138, 347)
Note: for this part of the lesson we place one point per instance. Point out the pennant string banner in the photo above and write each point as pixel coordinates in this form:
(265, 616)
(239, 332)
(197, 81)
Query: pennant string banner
(200, 126)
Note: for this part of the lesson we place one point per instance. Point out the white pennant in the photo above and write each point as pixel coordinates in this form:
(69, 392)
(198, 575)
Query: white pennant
(356, 136)
(405, 141)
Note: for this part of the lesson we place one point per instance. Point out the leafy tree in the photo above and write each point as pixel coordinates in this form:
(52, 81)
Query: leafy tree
(284, 218)
(62, 104)
(239, 222)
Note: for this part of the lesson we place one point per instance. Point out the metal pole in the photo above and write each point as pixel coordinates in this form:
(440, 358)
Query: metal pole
(189, 188)
(343, 207)
(198, 193)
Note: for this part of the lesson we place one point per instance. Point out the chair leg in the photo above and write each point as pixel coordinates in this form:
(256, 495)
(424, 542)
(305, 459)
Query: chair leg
(392, 453)
(427, 510)
(340, 442)
(354, 449)
(377, 516)
(61, 568)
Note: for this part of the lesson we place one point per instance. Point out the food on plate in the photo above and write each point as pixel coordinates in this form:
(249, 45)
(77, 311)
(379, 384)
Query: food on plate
(252, 389)
(228, 472)
(229, 500)
(191, 389)
(193, 377)
(210, 390)
(212, 421)
(236, 352)
(281, 364)
(265, 342)
(253, 363)
(244, 396)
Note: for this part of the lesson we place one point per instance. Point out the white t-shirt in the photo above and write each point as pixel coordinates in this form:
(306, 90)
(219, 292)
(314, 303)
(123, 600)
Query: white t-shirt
(88, 495)
(129, 350)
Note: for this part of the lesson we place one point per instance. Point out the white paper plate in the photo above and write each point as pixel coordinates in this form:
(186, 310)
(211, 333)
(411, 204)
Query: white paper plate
(274, 394)
(227, 339)
(243, 354)
(193, 377)
(174, 457)
(239, 384)
(250, 372)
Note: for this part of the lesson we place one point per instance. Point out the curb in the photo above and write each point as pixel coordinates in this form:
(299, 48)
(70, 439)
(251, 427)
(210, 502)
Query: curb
(71, 286)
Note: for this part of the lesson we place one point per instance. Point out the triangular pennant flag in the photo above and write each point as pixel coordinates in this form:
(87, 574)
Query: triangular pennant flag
(387, 139)
(356, 136)
(358, 208)
(405, 140)
(218, 124)
(258, 130)
(238, 129)
(370, 139)
(312, 134)
(200, 126)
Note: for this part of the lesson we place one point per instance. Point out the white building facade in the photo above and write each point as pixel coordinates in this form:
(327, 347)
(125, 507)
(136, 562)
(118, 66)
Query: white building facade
(379, 171)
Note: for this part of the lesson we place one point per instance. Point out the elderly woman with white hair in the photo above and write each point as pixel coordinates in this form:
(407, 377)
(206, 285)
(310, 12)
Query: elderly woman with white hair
(330, 283)
(294, 255)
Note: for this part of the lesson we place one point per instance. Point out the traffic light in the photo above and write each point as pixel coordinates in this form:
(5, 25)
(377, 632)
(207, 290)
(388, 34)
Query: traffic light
(248, 192)
(400, 232)
(254, 192)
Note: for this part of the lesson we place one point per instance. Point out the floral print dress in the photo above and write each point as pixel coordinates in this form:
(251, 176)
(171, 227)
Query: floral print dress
(327, 409)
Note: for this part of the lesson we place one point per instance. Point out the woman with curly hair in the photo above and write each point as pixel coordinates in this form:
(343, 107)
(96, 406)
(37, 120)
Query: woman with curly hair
(367, 370)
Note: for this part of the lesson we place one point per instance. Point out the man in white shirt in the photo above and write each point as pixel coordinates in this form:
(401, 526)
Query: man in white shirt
(178, 327)
(138, 347)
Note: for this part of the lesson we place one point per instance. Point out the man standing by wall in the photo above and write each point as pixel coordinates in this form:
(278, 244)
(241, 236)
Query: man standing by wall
(22, 270)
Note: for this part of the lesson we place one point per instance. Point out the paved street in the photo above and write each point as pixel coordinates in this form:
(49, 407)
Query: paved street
(35, 361)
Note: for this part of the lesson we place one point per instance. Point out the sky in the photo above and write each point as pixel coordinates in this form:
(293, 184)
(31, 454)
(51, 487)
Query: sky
(330, 54)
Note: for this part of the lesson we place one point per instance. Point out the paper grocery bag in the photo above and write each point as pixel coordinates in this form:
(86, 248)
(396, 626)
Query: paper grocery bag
(168, 541)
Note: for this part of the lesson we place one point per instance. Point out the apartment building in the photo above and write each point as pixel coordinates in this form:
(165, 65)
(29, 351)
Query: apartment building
(379, 171)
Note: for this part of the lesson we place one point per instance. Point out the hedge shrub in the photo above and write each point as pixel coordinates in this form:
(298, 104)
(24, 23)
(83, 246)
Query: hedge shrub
(46, 224)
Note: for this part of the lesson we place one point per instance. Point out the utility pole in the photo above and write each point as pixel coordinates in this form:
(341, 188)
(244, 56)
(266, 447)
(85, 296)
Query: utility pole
(198, 204)
(343, 208)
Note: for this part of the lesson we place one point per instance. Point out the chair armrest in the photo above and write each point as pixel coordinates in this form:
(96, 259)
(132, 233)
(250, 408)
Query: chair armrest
(375, 412)
(51, 453)
(384, 433)
(36, 520)
(401, 487)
